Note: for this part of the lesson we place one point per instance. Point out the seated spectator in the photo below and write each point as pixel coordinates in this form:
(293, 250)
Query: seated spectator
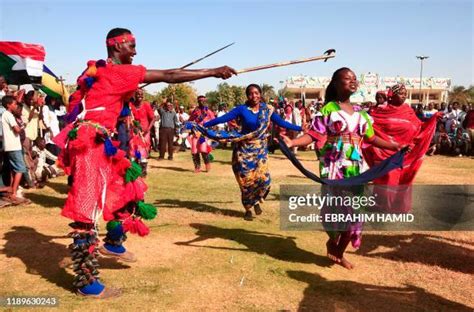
(442, 140)
(461, 142)
(43, 171)
(453, 126)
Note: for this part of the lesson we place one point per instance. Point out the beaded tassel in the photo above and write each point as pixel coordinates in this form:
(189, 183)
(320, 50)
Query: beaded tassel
(84, 257)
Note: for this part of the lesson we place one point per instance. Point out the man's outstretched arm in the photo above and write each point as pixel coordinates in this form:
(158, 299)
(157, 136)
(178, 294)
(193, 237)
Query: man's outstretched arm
(185, 75)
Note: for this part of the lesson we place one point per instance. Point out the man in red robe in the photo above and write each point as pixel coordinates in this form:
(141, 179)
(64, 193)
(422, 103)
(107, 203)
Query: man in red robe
(140, 139)
(104, 182)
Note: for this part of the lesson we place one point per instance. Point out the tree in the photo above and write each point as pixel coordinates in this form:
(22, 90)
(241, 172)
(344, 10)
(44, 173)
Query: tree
(285, 93)
(239, 95)
(182, 92)
(225, 93)
(149, 97)
(461, 94)
(268, 92)
(212, 98)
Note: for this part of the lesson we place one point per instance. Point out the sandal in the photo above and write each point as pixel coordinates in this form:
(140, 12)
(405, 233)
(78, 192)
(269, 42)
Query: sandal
(248, 215)
(105, 294)
(126, 256)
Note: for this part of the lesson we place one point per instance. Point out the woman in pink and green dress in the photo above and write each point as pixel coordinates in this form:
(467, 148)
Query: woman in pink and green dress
(339, 134)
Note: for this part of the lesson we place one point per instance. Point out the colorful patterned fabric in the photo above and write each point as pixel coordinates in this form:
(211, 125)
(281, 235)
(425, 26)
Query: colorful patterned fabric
(340, 155)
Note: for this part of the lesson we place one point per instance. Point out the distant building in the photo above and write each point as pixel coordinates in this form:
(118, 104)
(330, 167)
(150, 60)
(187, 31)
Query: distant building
(432, 89)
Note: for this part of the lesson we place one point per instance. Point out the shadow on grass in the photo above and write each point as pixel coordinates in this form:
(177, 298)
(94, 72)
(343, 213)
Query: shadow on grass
(273, 197)
(324, 295)
(47, 201)
(198, 206)
(276, 246)
(419, 248)
(61, 188)
(223, 162)
(178, 169)
(42, 256)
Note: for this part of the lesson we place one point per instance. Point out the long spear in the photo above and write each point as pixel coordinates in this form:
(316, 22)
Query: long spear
(198, 60)
(327, 55)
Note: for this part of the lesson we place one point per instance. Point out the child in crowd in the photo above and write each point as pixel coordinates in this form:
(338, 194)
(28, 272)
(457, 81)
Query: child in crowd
(43, 171)
(12, 147)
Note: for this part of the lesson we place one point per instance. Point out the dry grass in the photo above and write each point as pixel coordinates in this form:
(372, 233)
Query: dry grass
(201, 255)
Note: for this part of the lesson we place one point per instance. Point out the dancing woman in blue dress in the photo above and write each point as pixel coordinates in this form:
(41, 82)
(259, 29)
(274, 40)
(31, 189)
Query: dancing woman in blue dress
(250, 154)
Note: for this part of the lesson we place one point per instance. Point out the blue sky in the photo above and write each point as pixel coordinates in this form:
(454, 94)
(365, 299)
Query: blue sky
(369, 36)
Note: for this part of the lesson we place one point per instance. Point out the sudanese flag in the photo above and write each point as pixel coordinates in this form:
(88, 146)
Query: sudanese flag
(21, 63)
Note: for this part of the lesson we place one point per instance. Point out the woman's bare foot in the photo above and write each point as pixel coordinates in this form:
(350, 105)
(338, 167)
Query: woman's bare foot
(346, 264)
(331, 248)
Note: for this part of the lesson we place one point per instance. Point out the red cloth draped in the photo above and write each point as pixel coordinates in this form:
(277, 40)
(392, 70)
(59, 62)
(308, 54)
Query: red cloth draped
(400, 124)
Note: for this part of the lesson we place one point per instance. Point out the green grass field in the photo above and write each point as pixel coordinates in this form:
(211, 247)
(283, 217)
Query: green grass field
(201, 254)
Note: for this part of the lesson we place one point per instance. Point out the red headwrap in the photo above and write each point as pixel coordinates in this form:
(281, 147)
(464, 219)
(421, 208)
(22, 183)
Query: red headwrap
(120, 39)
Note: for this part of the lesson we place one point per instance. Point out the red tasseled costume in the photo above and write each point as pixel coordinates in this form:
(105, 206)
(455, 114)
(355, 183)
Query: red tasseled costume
(98, 180)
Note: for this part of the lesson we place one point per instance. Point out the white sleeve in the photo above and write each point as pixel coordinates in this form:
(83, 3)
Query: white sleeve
(11, 121)
(49, 155)
(46, 118)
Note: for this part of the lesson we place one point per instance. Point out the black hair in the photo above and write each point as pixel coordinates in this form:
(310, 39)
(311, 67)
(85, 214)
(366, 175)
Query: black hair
(117, 32)
(331, 92)
(201, 96)
(38, 139)
(253, 85)
(382, 94)
(7, 99)
(48, 100)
